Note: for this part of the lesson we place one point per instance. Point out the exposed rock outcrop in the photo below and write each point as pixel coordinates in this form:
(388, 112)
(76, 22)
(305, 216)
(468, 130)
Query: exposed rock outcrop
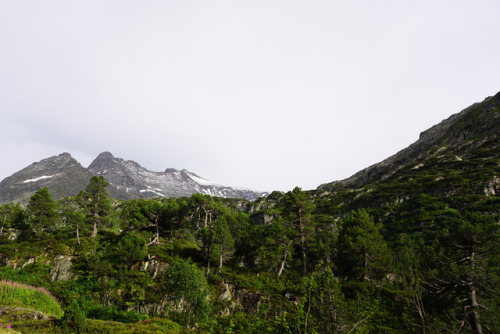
(61, 269)
(21, 313)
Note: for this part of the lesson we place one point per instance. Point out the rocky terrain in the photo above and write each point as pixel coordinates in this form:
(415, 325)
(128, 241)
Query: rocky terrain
(64, 176)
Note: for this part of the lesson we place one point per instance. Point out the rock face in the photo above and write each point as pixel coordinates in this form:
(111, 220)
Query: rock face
(61, 270)
(130, 180)
(249, 301)
(21, 313)
(64, 176)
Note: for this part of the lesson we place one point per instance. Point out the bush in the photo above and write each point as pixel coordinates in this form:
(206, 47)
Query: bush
(74, 318)
(113, 313)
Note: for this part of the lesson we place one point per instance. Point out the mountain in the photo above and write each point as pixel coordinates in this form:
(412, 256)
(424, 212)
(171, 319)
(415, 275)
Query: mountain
(130, 180)
(454, 166)
(474, 127)
(64, 176)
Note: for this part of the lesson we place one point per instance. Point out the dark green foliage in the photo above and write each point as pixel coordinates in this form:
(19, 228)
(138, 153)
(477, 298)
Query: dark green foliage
(11, 216)
(363, 254)
(297, 210)
(275, 246)
(112, 313)
(132, 249)
(73, 320)
(42, 215)
(96, 202)
(464, 269)
(187, 288)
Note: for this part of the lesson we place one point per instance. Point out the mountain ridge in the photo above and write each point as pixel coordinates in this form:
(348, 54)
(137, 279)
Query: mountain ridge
(435, 135)
(64, 176)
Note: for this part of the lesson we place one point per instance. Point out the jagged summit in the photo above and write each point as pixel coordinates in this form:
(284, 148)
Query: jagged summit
(130, 179)
(64, 176)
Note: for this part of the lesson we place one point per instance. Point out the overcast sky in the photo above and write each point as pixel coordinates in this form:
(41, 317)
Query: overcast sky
(266, 95)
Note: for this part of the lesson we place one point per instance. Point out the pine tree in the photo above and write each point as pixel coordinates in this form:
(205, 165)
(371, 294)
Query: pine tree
(96, 202)
(11, 215)
(465, 265)
(298, 211)
(362, 251)
(42, 211)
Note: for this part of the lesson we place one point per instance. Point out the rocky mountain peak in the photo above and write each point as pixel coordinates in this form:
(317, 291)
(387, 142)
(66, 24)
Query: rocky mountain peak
(105, 156)
(61, 174)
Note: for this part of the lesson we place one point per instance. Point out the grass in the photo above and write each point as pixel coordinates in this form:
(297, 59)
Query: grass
(21, 295)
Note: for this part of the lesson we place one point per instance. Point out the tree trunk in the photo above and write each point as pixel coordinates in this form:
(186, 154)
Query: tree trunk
(94, 232)
(157, 232)
(308, 310)
(4, 220)
(303, 244)
(220, 256)
(365, 276)
(282, 265)
(472, 297)
(77, 235)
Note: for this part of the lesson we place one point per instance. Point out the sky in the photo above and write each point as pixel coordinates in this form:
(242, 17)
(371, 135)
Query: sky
(266, 95)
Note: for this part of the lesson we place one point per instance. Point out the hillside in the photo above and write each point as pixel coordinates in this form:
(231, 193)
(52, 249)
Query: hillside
(409, 245)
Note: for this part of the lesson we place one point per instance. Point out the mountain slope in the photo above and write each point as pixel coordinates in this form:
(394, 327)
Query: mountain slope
(475, 125)
(62, 175)
(453, 167)
(130, 180)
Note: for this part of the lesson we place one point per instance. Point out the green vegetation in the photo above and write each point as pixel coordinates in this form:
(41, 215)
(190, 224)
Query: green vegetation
(21, 295)
(414, 249)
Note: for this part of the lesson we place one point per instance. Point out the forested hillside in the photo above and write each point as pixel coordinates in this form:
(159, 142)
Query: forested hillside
(411, 245)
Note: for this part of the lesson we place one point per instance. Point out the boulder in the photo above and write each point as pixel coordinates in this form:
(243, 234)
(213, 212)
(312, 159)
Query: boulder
(61, 270)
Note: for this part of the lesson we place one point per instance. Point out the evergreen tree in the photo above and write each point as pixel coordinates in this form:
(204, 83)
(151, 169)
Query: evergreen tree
(11, 215)
(187, 288)
(297, 209)
(325, 304)
(223, 242)
(465, 269)
(153, 210)
(362, 251)
(173, 211)
(276, 247)
(73, 320)
(409, 269)
(96, 202)
(42, 211)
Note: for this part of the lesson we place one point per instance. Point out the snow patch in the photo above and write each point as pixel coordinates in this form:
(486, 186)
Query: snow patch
(39, 178)
(152, 191)
(200, 180)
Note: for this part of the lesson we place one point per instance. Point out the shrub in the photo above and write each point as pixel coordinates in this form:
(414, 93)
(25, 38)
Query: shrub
(74, 318)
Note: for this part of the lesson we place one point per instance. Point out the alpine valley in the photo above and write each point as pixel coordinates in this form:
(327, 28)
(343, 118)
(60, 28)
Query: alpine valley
(408, 245)
(64, 176)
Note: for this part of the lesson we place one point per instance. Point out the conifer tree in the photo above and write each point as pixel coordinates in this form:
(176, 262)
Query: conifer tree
(298, 211)
(276, 246)
(10, 215)
(466, 265)
(362, 251)
(96, 202)
(42, 211)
